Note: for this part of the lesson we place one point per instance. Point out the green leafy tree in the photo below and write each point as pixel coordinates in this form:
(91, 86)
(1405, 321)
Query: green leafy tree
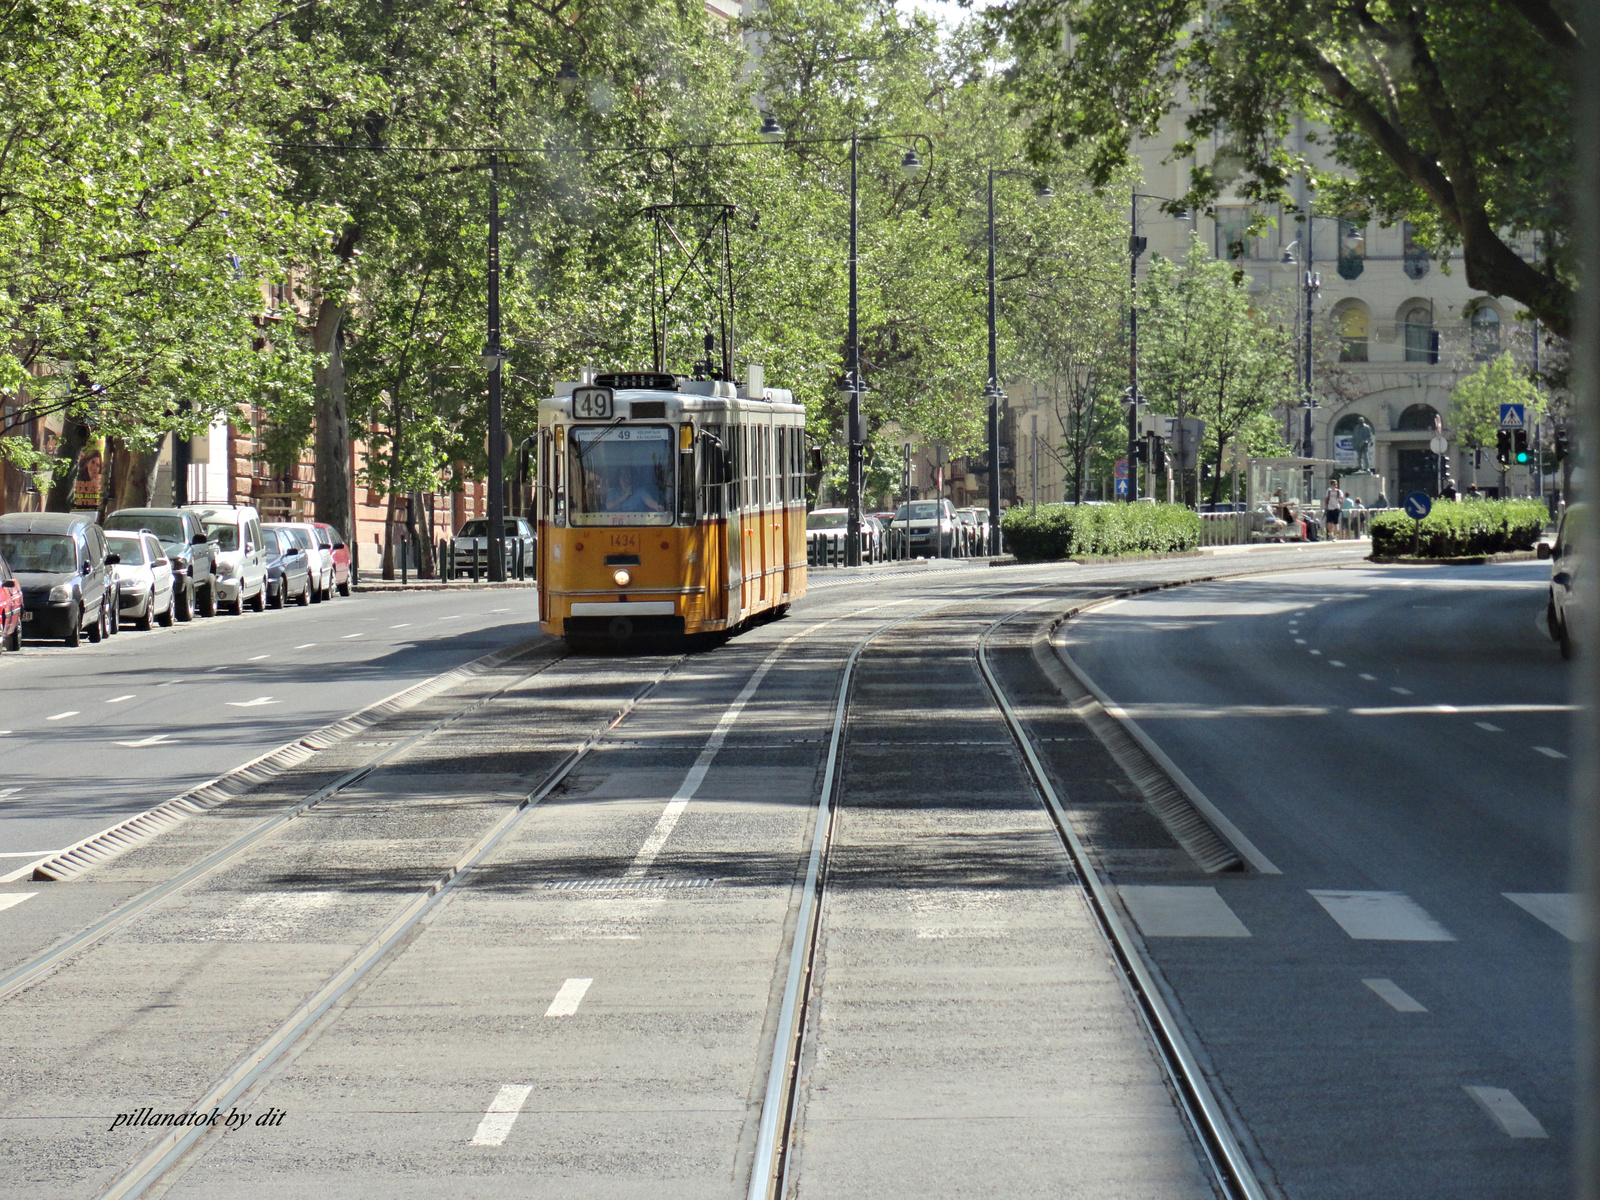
(1475, 401)
(1454, 114)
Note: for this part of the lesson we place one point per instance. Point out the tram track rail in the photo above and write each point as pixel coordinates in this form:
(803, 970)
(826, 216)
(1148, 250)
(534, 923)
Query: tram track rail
(1203, 1114)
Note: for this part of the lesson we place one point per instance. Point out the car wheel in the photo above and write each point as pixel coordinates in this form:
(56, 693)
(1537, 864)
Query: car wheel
(147, 621)
(75, 629)
(183, 602)
(167, 616)
(15, 644)
(235, 607)
(280, 597)
(1552, 623)
(97, 631)
(208, 601)
(305, 595)
(113, 616)
(344, 588)
(259, 602)
(1565, 640)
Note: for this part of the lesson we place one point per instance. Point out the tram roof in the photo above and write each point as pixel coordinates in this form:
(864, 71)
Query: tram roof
(717, 397)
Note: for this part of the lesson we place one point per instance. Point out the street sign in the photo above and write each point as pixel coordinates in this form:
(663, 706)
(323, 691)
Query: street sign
(1418, 505)
(1121, 469)
(1122, 486)
(1512, 417)
(1438, 443)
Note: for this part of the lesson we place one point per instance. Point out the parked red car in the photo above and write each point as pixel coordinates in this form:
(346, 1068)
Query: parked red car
(328, 537)
(10, 607)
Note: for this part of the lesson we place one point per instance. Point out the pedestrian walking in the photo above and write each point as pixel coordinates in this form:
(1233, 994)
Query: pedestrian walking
(1332, 505)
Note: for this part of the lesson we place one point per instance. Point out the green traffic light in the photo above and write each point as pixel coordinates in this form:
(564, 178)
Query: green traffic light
(1522, 457)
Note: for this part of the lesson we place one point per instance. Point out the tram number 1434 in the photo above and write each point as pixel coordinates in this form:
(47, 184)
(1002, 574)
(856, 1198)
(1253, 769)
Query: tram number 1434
(592, 404)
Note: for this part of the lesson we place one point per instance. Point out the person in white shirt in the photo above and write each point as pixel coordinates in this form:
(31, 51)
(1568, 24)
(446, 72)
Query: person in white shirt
(1332, 503)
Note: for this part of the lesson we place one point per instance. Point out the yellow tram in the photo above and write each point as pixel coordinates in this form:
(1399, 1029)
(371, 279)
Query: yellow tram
(668, 505)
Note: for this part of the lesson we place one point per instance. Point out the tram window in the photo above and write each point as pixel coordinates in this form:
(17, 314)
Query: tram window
(622, 476)
(768, 462)
(713, 471)
(558, 475)
(542, 492)
(780, 458)
(686, 475)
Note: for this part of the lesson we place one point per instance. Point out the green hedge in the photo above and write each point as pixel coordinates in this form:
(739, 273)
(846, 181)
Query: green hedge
(1059, 531)
(1458, 529)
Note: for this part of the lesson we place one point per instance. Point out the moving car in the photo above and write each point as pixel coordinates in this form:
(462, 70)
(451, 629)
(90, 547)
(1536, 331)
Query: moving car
(191, 553)
(144, 578)
(289, 572)
(10, 608)
(930, 527)
(63, 565)
(1564, 611)
(980, 525)
(241, 553)
(471, 548)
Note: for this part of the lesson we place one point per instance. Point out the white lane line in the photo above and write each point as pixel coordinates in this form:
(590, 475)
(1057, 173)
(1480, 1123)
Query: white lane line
(258, 657)
(1506, 1111)
(1488, 727)
(12, 899)
(120, 699)
(1400, 691)
(1548, 752)
(1314, 652)
(568, 998)
(1401, 710)
(1300, 613)
(10, 791)
(1334, 662)
(1559, 910)
(256, 703)
(450, 617)
(71, 712)
(348, 636)
(697, 773)
(1165, 911)
(155, 739)
(502, 1114)
(213, 670)
(402, 625)
(1299, 641)
(1381, 916)
(305, 646)
(1369, 678)
(1393, 995)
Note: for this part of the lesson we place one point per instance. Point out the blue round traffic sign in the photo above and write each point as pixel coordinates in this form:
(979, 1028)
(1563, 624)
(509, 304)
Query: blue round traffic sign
(1418, 505)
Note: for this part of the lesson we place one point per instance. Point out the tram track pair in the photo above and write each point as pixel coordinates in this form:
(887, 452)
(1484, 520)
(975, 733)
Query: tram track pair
(1205, 1117)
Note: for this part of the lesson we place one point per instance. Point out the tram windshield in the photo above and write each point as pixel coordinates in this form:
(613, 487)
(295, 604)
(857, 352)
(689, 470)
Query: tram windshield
(621, 475)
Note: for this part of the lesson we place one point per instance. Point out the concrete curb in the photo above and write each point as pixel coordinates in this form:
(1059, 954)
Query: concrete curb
(441, 585)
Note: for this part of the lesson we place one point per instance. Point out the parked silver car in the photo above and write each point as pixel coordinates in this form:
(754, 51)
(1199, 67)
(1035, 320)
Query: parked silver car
(144, 577)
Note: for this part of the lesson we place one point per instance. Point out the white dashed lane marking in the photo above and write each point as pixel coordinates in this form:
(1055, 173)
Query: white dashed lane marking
(258, 702)
(1315, 652)
(1369, 678)
(1548, 752)
(305, 646)
(1488, 727)
(1299, 641)
(502, 1114)
(10, 791)
(348, 636)
(1559, 910)
(1400, 691)
(12, 899)
(155, 739)
(568, 998)
(1507, 1112)
(120, 699)
(1334, 662)
(63, 716)
(1381, 916)
(259, 657)
(402, 625)
(1165, 911)
(1394, 996)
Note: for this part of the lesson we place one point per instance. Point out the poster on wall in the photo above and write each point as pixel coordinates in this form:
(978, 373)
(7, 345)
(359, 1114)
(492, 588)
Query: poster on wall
(1344, 450)
(91, 470)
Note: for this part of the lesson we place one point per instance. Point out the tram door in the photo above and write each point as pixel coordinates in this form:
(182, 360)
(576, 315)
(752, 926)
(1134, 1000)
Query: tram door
(733, 528)
(713, 542)
(764, 516)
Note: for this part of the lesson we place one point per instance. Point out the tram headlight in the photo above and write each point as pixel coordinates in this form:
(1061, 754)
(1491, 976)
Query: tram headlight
(622, 578)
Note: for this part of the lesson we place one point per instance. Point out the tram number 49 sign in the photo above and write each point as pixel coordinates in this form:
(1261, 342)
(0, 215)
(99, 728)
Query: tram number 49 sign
(592, 403)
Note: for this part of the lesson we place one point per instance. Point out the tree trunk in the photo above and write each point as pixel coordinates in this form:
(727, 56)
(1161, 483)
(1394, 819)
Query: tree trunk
(331, 487)
(74, 437)
(133, 478)
(391, 565)
(420, 525)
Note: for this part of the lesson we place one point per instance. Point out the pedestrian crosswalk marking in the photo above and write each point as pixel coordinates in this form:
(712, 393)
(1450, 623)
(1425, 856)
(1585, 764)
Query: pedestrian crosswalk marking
(1559, 910)
(1381, 916)
(1165, 911)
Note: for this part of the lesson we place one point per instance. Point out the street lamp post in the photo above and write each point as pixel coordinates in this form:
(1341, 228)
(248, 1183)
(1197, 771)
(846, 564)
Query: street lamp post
(852, 553)
(1136, 247)
(493, 355)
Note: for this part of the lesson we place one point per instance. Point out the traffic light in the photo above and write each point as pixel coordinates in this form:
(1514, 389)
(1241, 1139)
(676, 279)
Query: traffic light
(1519, 447)
(1502, 447)
(1139, 448)
(1561, 444)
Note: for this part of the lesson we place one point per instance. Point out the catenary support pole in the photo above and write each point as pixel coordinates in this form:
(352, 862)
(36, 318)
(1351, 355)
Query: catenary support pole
(852, 551)
(993, 393)
(493, 354)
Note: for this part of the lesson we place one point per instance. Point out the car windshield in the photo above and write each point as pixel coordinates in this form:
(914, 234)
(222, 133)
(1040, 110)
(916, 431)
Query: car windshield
(622, 476)
(827, 518)
(226, 536)
(130, 548)
(168, 529)
(923, 511)
(296, 535)
(47, 553)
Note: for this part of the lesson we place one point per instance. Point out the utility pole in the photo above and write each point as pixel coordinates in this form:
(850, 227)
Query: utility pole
(852, 552)
(993, 393)
(1136, 245)
(493, 357)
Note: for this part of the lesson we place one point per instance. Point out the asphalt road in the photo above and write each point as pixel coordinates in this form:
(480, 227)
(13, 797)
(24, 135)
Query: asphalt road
(91, 735)
(1391, 1013)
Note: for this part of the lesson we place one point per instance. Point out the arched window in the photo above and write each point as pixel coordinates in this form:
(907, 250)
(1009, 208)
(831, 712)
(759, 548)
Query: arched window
(1485, 333)
(1354, 326)
(1353, 441)
(1420, 344)
(1352, 251)
(1419, 417)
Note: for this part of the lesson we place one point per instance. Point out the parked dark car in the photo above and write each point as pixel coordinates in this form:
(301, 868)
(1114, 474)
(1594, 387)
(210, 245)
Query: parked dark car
(288, 568)
(10, 608)
(62, 564)
(191, 552)
(471, 548)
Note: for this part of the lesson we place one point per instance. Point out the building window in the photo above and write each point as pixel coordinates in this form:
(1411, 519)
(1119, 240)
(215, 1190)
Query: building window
(1352, 253)
(1233, 241)
(1354, 327)
(1419, 417)
(1485, 333)
(1421, 345)
(1415, 256)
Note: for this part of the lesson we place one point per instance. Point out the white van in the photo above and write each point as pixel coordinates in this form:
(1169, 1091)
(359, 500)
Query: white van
(241, 554)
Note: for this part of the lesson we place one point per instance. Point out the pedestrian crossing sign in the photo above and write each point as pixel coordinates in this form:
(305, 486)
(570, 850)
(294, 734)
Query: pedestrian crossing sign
(1511, 417)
